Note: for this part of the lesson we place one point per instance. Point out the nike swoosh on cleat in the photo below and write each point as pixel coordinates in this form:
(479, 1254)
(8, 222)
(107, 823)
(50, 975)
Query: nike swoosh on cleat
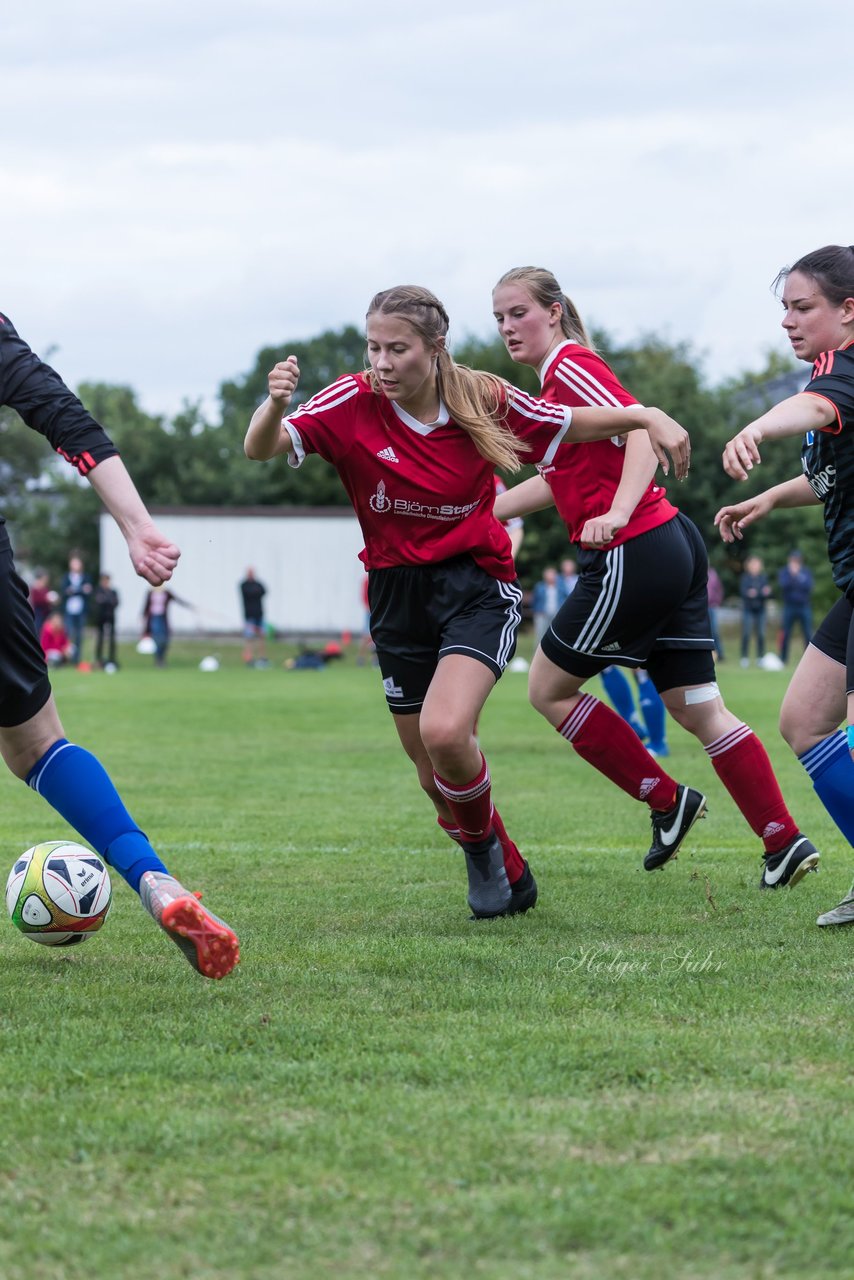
(771, 877)
(668, 837)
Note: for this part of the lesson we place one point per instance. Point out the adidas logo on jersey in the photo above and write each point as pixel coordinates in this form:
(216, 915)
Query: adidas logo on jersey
(388, 455)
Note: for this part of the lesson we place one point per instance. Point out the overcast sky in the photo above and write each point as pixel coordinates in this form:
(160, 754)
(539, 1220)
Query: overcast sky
(183, 183)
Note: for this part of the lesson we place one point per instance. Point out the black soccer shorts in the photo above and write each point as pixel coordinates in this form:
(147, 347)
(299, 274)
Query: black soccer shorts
(421, 613)
(24, 683)
(835, 638)
(643, 604)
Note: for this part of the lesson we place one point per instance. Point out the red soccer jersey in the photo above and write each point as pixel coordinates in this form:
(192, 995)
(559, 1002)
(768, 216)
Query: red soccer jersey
(584, 477)
(422, 492)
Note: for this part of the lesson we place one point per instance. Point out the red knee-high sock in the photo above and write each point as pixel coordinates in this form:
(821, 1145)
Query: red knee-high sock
(514, 863)
(741, 762)
(606, 741)
(470, 804)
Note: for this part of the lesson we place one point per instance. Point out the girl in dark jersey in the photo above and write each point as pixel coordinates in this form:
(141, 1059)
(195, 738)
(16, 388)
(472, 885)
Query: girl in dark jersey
(32, 739)
(416, 440)
(641, 600)
(818, 305)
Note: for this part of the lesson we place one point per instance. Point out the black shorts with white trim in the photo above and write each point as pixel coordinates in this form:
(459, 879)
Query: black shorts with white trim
(421, 613)
(643, 604)
(24, 683)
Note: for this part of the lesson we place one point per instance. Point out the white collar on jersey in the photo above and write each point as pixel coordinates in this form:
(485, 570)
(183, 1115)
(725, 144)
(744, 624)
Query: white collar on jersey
(423, 428)
(552, 357)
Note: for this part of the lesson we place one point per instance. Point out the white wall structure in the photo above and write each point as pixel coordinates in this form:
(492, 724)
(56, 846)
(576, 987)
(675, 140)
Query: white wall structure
(305, 556)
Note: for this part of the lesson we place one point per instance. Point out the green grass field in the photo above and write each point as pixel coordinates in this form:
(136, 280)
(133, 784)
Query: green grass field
(648, 1076)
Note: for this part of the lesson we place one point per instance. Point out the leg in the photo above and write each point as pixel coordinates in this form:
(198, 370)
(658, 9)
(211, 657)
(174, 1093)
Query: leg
(741, 762)
(654, 714)
(619, 691)
(448, 724)
(457, 780)
(812, 710)
(76, 785)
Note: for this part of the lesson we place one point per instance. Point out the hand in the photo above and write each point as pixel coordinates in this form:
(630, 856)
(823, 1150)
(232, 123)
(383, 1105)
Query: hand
(732, 521)
(598, 531)
(742, 452)
(282, 381)
(153, 556)
(667, 437)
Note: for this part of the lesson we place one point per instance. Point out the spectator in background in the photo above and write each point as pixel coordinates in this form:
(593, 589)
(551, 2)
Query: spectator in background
(106, 601)
(53, 638)
(75, 590)
(569, 573)
(252, 593)
(796, 584)
(42, 599)
(548, 595)
(715, 588)
(155, 615)
(755, 591)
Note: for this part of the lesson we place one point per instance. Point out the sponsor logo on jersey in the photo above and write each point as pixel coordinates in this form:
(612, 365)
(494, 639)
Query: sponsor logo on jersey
(392, 690)
(611, 648)
(388, 455)
(429, 511)
(823, 481)
(379, 502)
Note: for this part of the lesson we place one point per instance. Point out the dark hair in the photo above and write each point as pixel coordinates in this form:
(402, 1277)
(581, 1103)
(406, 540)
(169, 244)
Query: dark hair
(832, 268)
(543, 287)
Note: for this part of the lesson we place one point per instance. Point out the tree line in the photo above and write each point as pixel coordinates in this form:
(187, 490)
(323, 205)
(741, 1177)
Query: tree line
(188, 460)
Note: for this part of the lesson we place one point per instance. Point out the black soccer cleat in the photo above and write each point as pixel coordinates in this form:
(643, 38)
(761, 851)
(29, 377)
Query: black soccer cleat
(489, 893)
(789, 865)
(523, 893)
(669, 828)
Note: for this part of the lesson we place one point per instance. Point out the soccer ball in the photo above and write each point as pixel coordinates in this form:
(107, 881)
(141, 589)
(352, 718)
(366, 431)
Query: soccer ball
(58, 893)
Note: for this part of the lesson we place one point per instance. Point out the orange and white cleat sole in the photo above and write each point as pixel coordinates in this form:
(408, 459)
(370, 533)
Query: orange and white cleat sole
(208, 943)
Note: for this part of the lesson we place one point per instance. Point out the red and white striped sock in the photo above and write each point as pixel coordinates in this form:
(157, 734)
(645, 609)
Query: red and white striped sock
(741, 762)
(606, 741)
(470, 804)
(514, 863)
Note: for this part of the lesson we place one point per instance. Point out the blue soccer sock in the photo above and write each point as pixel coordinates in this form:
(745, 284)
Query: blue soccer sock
(619, 690)
(831, 769)
(653, 711)
(78, 787)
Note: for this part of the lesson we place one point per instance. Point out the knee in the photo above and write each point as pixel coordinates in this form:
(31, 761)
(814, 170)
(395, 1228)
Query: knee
(540, 697)
(794, 732)
(444, 739)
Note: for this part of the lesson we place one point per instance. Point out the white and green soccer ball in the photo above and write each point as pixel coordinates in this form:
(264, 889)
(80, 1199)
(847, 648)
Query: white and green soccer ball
(58, 893)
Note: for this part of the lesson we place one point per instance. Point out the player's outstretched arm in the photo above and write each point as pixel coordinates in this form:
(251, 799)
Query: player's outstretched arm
(731, 521)
(267, 437)
(793, 417)
(153, 556)
(667, 437)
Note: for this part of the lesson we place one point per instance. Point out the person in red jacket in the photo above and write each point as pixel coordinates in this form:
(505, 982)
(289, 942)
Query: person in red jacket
(625, 608)
(54, 640)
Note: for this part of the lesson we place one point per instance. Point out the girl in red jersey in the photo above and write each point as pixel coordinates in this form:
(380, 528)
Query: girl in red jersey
(415, 440)
(818, 317)
(641, 600)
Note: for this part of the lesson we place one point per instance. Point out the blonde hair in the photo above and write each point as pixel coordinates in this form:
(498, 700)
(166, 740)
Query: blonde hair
(475, 399)
(544, 289)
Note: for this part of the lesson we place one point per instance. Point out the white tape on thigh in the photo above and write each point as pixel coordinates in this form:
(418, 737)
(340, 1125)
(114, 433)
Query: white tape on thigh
(705, 693)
